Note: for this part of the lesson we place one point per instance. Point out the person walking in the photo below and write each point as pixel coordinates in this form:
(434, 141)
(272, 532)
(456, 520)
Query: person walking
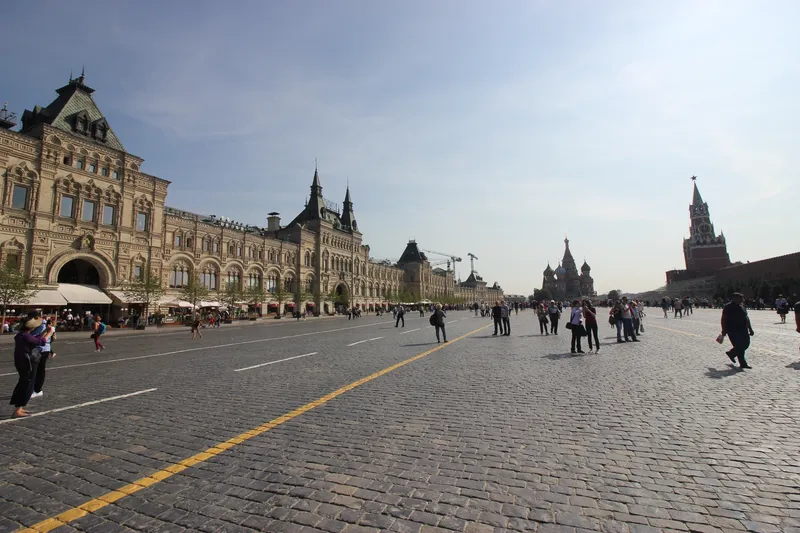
(27, 351)
(437, 321)
(401, 312)
(575, 322)
(505, 317)
(554, 314)
(627, 321)
(782, 307)
(196, 327)
(736, 325)
(590, 316)
(664, 306)
(541, 312)
(49, 335)
(99, 328)
(497, 318)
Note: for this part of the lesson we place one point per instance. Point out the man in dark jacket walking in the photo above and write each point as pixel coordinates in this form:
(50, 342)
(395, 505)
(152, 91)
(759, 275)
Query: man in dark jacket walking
(497, 317)
(437, 320)
(736, 325)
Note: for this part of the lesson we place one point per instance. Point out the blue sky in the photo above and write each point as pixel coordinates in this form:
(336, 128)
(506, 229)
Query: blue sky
(495, 128)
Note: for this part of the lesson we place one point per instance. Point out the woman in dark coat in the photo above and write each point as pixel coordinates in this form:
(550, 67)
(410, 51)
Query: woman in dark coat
(26, 360)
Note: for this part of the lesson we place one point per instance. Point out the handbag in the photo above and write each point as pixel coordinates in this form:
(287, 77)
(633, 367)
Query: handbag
(569, 325)
(432, 319)
(582, 330)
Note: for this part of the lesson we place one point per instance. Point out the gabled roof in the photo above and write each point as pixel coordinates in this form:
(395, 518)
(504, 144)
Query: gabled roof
(412, 254)
(74, 99)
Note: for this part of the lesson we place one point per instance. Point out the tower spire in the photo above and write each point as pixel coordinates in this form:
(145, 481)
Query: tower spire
(697, 199)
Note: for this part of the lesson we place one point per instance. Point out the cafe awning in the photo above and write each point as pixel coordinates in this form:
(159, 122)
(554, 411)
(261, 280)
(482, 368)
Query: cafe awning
(46, 298)
(83, 294)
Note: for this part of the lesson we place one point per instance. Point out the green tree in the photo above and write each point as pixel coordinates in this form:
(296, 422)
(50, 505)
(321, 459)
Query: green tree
(542, 295)
(15, 288)
(255, 296)
(193, 292)
(230, 296)
(145, 290)
(614, 295)
(281, 295)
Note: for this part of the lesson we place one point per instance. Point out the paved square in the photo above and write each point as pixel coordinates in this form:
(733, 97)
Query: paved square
(484, 434)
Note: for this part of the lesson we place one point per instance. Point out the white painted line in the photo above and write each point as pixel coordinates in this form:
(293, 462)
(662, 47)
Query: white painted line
(200, 348)
(84, 404)
(452, 322)
(409, 331)
(273, 362)
(367, 340)
(465, 318)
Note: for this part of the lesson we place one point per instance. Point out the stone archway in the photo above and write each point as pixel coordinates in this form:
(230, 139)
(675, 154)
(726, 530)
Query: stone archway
(87, 269)
(342, 293)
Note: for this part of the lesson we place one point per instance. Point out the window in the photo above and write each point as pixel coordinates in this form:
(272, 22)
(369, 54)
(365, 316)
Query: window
(289, 285)
(67, 160)
(239, 251)
(209, 280)
(141, 221)
(88, 211)
(104, 172)
(309, 285)
(138, 272)
(92, 168)
(189, 242)
(216, 247)
(108, 215)
(179, 276)
(206, 245)
(19, 197)
(67, 205)
(177, 240)
(116, 175)
(80, 164)
(234, 278)
(254, 280)
(12, 261)
(308, 259)
(272, 282)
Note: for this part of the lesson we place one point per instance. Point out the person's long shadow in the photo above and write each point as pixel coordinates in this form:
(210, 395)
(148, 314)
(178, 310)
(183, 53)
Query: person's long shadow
(419, 344)
(713, 373)
(558, 356)
(795, 365)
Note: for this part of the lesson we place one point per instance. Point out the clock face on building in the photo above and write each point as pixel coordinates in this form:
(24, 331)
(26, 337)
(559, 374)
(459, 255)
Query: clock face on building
(705, 228)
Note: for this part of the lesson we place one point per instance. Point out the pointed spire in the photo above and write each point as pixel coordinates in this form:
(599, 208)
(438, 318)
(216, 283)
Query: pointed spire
(315, 183)
(696, 198)
(347, 196)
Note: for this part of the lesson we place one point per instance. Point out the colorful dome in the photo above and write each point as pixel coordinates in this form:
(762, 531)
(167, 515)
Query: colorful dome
(548, 271)
(561, 271)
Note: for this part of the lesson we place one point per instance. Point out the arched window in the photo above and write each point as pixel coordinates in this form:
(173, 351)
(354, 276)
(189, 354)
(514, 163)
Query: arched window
(208, 278)
(189, 242)
(313, 259)
(238, 250)
(272, 282)
(308, 259)
(207, 244)
(271, 255)
(254, 280)
(363, 289)
(235, 278)
(216, 247)
(309, 285)
(325, 262)
(177, 240)
(231, 249)
(178, 275)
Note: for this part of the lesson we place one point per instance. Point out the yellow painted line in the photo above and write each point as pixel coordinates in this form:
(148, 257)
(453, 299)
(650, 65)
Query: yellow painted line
(110, 497)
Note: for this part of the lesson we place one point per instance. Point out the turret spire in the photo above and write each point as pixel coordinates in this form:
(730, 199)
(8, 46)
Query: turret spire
(696, 198)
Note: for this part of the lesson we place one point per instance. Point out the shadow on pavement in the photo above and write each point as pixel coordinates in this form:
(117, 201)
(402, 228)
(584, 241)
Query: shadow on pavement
(557, 356)
(713, 373)
(418, 344)
(795, 365)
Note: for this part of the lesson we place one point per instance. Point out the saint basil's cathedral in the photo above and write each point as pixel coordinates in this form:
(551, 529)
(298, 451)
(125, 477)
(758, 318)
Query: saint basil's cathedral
(565, 283)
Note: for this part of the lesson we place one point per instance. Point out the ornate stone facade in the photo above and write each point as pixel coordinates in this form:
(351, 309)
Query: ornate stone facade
(71, 192)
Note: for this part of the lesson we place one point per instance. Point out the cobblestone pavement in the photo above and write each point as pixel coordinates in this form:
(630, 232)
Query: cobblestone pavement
(486, 434)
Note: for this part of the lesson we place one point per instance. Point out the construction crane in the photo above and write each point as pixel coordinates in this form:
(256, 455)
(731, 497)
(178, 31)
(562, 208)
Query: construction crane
(454, 259)
(472, 258)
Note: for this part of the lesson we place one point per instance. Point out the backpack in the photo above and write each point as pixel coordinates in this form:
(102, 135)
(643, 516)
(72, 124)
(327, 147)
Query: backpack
(101, 328)
(432, 320)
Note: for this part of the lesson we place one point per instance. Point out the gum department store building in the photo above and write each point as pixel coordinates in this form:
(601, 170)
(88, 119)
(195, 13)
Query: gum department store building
(80, 216)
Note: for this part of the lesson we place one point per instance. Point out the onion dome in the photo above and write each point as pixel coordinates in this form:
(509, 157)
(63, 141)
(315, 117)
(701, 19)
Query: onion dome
(561, 271)
(585, 267)
(548, 271)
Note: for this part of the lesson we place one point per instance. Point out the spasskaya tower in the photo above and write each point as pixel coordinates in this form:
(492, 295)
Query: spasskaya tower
(704, 250)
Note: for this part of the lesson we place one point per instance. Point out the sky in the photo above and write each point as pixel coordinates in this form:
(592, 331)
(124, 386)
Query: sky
(492, 128)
